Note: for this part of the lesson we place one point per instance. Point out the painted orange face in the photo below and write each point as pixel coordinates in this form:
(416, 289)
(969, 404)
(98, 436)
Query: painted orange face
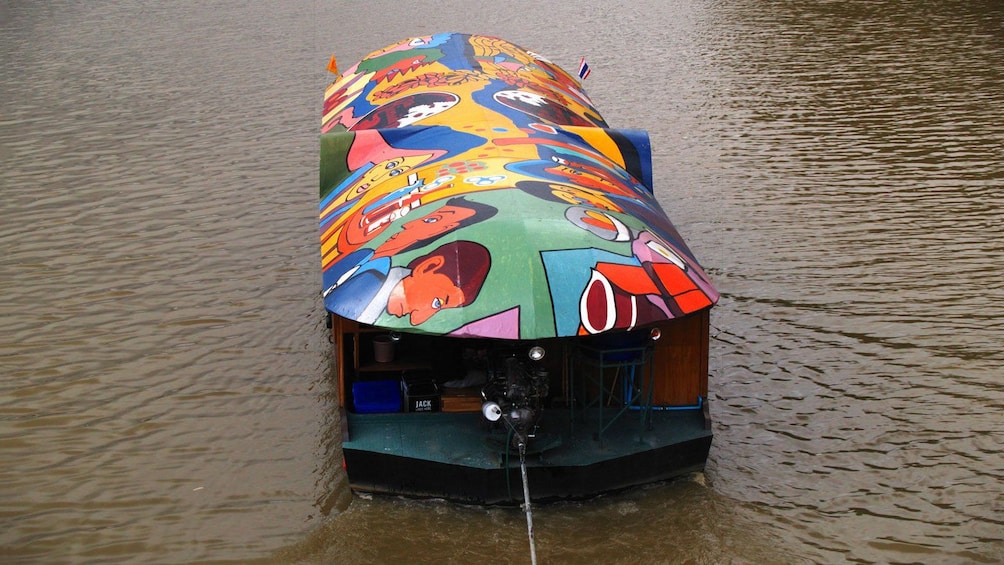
(424, 292)
(439, 222)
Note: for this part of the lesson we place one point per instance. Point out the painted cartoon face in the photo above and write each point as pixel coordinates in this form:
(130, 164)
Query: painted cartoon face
(522, 97)
(366, 223)
(578, 195)
(407, 110)
(585, 178)
(424, 293)
(533, 104)
(417, 113)
(441, 221)
(386, 169)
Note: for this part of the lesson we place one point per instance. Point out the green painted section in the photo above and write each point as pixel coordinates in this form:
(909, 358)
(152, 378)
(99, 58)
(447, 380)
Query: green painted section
(467, 439)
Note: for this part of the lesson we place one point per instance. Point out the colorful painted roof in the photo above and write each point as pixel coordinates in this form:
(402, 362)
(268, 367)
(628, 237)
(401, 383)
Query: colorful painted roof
(470, 188)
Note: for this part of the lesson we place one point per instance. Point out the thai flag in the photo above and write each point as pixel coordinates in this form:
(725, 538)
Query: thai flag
(584, 69)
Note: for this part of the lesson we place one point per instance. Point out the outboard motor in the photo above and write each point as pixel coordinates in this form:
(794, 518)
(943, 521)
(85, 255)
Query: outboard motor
(515, 394)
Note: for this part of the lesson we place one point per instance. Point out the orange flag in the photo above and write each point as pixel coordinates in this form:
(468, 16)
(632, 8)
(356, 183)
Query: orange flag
(333, 65)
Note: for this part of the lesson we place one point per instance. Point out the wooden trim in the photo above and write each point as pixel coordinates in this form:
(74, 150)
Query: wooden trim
(681, 361)
(339, 328)
(705, 351)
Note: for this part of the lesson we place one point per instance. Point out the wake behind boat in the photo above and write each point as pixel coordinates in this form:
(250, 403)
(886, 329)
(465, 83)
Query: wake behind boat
(501, 283)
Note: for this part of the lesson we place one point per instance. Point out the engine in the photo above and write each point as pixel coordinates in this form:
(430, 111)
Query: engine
(515, 393)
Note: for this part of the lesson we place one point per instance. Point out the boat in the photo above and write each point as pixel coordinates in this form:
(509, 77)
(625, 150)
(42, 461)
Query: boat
(507, 300)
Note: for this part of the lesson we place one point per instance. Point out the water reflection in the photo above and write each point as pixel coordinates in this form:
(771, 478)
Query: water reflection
(640, 526)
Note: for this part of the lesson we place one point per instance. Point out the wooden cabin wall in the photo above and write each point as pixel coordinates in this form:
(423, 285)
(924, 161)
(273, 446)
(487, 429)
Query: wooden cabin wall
(341, 330)
(681, 361)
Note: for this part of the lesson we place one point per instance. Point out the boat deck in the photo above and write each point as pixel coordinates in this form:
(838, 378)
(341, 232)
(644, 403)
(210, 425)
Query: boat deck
(467, 439)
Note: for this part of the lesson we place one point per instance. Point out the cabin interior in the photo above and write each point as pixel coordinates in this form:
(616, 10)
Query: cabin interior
(381, 372)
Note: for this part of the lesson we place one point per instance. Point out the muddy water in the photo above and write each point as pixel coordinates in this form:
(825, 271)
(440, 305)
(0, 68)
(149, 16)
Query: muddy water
(166, 393)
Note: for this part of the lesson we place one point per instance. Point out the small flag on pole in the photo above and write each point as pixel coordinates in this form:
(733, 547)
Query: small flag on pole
(333, 65)
(584, 69)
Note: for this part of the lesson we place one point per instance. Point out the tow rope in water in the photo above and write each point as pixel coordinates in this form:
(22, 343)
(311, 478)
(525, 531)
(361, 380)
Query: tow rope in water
(526, 502)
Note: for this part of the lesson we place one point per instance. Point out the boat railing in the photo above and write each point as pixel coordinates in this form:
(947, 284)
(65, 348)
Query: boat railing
(628, 389)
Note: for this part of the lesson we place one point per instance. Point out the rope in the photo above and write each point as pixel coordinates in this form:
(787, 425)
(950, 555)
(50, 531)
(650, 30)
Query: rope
(526, 502)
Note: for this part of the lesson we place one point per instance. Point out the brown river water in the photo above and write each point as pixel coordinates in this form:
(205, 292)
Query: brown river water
(166, 393)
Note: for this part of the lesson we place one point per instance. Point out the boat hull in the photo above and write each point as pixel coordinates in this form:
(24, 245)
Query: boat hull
(391, 456)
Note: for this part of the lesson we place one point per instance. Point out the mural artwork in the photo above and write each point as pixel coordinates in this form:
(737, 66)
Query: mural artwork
(469, 188)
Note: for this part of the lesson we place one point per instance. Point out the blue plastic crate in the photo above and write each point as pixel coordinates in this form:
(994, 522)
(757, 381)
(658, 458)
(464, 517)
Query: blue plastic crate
(376, 397)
